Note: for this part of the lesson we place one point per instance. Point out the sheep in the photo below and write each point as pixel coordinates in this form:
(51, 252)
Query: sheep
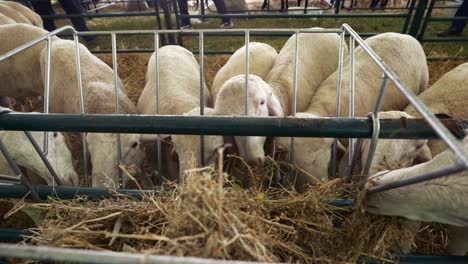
(22, 151)
(8, 102)
(261, 59)
(179, 93)
(98, 92)
(261, 103)
(449, 96)
(4, 20)
(392, 48)
(32, 17)
(390, 154)
(21, 73)
(188, 146)
(318, 58)
(441, 200)
(12, 13)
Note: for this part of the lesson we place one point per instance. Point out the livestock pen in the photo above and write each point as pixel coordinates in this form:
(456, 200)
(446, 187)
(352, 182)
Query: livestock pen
(325, 196)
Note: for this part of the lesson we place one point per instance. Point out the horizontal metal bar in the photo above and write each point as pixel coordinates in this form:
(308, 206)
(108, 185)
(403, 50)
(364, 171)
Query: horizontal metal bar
(418, 179)
(458, 18)
(98, 15)
(220, 125)
(208, 31)
(444, 40)
(95, 256)
(13, 235)
(378, 15)
(63, 192)
(448, 58)
(9, 178)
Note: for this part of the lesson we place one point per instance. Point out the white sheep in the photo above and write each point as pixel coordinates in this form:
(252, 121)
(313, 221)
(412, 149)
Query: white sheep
(318, 58)
(390, 154)
(188, 146)
(402, 53)
(12, 13)
(22, 151)
(261, 59)
(179, 74)
(20, 75)
(449, 95)
(98, 91)
(230, 101)
(4, 20)
(443, 200)
(31, 17)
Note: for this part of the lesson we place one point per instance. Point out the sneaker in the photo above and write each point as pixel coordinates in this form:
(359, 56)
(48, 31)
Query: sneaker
(227, 25)
(449, 32)
(189, 26)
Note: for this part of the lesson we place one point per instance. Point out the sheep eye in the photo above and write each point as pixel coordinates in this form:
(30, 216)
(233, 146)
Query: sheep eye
(262, 102)
(55, 134)
(134, 145)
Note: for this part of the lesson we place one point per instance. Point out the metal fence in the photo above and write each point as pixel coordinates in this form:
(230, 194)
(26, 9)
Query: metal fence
(338, 127)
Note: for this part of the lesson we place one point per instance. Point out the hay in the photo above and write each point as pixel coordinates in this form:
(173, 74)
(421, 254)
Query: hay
(211, 217)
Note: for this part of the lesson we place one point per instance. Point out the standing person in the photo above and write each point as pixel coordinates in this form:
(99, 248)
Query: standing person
(220, 6)
(44, 8)
(458, 25)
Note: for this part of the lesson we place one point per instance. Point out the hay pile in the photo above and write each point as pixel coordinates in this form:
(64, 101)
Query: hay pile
(211, 217)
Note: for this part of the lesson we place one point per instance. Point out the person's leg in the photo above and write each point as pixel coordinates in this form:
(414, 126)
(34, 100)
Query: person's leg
(183, 10)
(221, 7)
(457, 26)
(74, 7)
(461, 12)
(43, 8)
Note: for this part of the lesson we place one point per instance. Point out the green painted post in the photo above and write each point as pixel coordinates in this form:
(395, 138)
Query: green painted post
(426, 20)
(337, 6)
(418, 17)
(409, 16)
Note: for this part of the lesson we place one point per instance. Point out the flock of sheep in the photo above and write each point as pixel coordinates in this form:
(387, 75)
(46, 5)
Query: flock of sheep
(270, 82)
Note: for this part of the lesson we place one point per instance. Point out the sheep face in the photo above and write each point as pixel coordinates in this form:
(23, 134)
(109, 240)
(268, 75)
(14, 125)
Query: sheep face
(59, 157)
(260, 103)
(103, 151)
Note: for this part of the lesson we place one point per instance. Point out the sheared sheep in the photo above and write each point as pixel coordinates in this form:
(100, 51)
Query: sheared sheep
(31, 17)
(261, 59)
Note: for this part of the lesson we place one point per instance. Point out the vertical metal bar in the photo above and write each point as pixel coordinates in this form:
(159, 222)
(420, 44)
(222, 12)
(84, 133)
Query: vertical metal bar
(337, 6)
(43, 157)
(82, 108)
(351, 94)
(375, 137)
(426, 20)
(47, 91)
(116, 97)
(408, 16)
(378, 101)
(202, 94)
(17, 171)
(418, 17)
(158, 99)
(294, 99)
(338, 99)
(247, 69)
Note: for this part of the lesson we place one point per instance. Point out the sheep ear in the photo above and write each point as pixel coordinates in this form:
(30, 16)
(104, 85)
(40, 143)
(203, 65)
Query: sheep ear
(151, 138)
(274, 106)
(424, 155)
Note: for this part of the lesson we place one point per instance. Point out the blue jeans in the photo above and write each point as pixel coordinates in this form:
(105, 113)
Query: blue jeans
(461, 12)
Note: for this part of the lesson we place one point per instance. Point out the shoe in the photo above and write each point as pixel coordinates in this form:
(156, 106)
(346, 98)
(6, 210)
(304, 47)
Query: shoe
(189, 26)
(449, 32)
(227, 25)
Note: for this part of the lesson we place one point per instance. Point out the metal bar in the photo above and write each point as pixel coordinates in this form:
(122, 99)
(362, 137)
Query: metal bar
(338, 99)
(418, 17)
(158, 98)
(375, 137)
(18, 172)
(294, 95)
(409, 16)
(201, 48)
(45, 146)
(337, 6)
(221, 125)
(351, 94)
(247, 68)
(82, 108)
(458, 18)
(66, 192)
(378, 101)
(309, 15)
(9, 178)
(43, 157)
(211, 31)
(426, 19)
(433, 121)
(94, 256)
(116, 98)
(418, 179)
(444, 40)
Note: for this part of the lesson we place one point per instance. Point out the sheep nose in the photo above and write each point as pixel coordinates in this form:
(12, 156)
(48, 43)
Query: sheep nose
(257, 163)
